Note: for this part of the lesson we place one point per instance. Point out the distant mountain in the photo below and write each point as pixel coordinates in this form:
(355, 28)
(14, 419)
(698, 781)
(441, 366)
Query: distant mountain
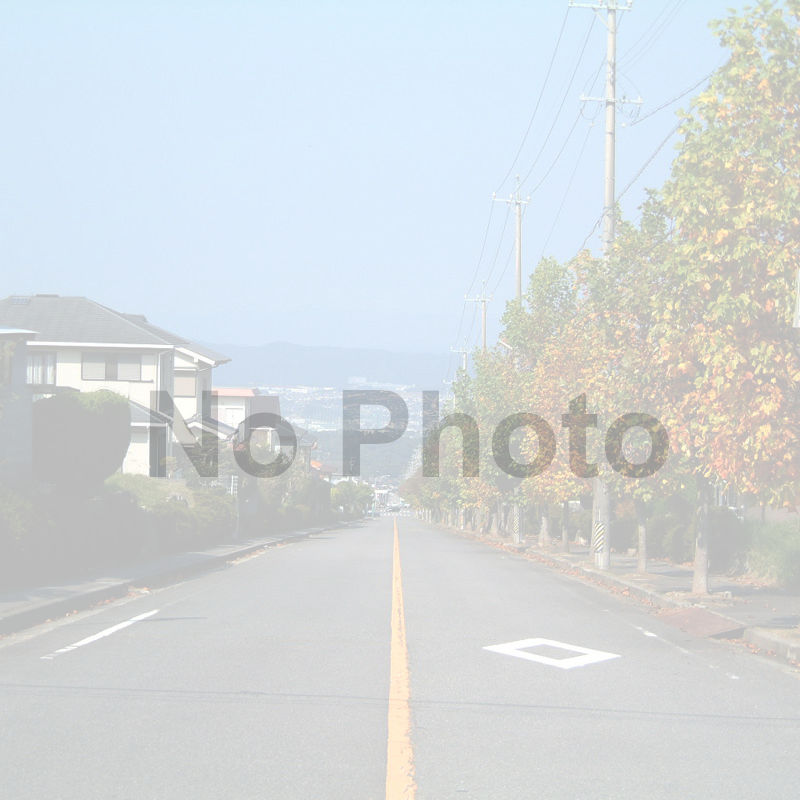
(284, 364)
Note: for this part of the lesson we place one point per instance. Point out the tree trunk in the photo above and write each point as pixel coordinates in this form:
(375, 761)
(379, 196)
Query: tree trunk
(544, 531)
(565, 526)
(641, 529)
(700, 576)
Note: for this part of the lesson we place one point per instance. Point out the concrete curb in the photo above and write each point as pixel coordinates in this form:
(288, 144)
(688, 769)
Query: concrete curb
(206, 561)
(610, 581)
(763, 639)
(773, 645)
(576, 570)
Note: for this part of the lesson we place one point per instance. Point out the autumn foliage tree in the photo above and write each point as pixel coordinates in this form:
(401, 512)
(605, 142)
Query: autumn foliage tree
(689, 316)
(725, 342)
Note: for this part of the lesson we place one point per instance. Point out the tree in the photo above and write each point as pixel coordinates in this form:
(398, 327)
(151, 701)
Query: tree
(79, 439)
(353, 497)
(725, 299)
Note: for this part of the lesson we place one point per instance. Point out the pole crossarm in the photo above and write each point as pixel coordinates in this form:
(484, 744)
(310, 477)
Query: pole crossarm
(620, 101)
(604, 5)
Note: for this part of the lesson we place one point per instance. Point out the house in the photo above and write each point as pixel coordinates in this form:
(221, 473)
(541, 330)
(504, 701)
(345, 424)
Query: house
(82, 345)
(231, 405)
(15, 405)
(235, 406)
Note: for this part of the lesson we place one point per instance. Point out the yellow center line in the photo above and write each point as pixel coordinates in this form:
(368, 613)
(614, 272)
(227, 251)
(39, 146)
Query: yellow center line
(400, 783)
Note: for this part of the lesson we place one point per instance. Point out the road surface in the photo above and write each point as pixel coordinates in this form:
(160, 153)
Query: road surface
(271, 679)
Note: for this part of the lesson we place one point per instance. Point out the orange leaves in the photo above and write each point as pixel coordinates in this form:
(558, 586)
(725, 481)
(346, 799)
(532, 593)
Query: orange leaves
(721, 236)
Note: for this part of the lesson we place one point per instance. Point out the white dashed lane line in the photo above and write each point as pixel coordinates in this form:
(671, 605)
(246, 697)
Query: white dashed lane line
(107, 632)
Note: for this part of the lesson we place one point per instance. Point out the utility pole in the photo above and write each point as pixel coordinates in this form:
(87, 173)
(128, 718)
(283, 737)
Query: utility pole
(483, 300)
(601, 506)
(609, 179)
(464, 354)
(610, 101)
(518, 202)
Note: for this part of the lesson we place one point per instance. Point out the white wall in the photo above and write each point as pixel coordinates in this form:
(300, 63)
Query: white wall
(231, 410)
(68, 373)
(189, 406)
(137, 459)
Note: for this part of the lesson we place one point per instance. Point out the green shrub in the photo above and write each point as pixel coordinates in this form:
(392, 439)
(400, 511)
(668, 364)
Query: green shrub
(727, 541)
(148, 492)
(115, 528)
(174, 524)
(47, 536)
(670, 530)
(22, 529)
(215, 515)
(774, 553)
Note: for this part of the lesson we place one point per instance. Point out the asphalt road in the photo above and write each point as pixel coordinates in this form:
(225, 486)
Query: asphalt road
(270, 679)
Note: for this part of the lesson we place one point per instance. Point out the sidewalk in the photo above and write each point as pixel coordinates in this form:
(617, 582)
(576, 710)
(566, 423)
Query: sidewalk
(766, 618)
(24, 608)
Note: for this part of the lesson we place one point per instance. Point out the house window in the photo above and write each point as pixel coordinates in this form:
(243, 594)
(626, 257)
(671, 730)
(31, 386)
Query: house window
(185, 385)
(42, 369)
(129, 368)
(93, 367)
(111, 367)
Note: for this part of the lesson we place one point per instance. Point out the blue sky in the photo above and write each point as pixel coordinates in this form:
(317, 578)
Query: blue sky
(316, 172)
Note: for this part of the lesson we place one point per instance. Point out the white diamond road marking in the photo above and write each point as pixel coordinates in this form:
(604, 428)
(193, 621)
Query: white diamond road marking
(586, 655)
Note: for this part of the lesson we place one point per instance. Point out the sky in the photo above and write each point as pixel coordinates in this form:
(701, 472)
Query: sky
(320, 172)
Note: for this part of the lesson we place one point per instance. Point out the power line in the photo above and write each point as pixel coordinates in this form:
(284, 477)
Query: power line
(468, 337)
(651, 29)
(633, 180)
(643, 47)
(538, 101)
(483, 247)
(499, 245)
(648, 162)
(519, 204)
(566, 191)
(565, 142)
(673, 100)
(635, 46)
(484, 300)
(590, 82)
(563, 100)
(472, 283)
(505, 269)
(558, 155)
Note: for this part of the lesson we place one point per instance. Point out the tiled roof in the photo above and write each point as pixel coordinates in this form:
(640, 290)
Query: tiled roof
(78, 319)
(177, 341)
